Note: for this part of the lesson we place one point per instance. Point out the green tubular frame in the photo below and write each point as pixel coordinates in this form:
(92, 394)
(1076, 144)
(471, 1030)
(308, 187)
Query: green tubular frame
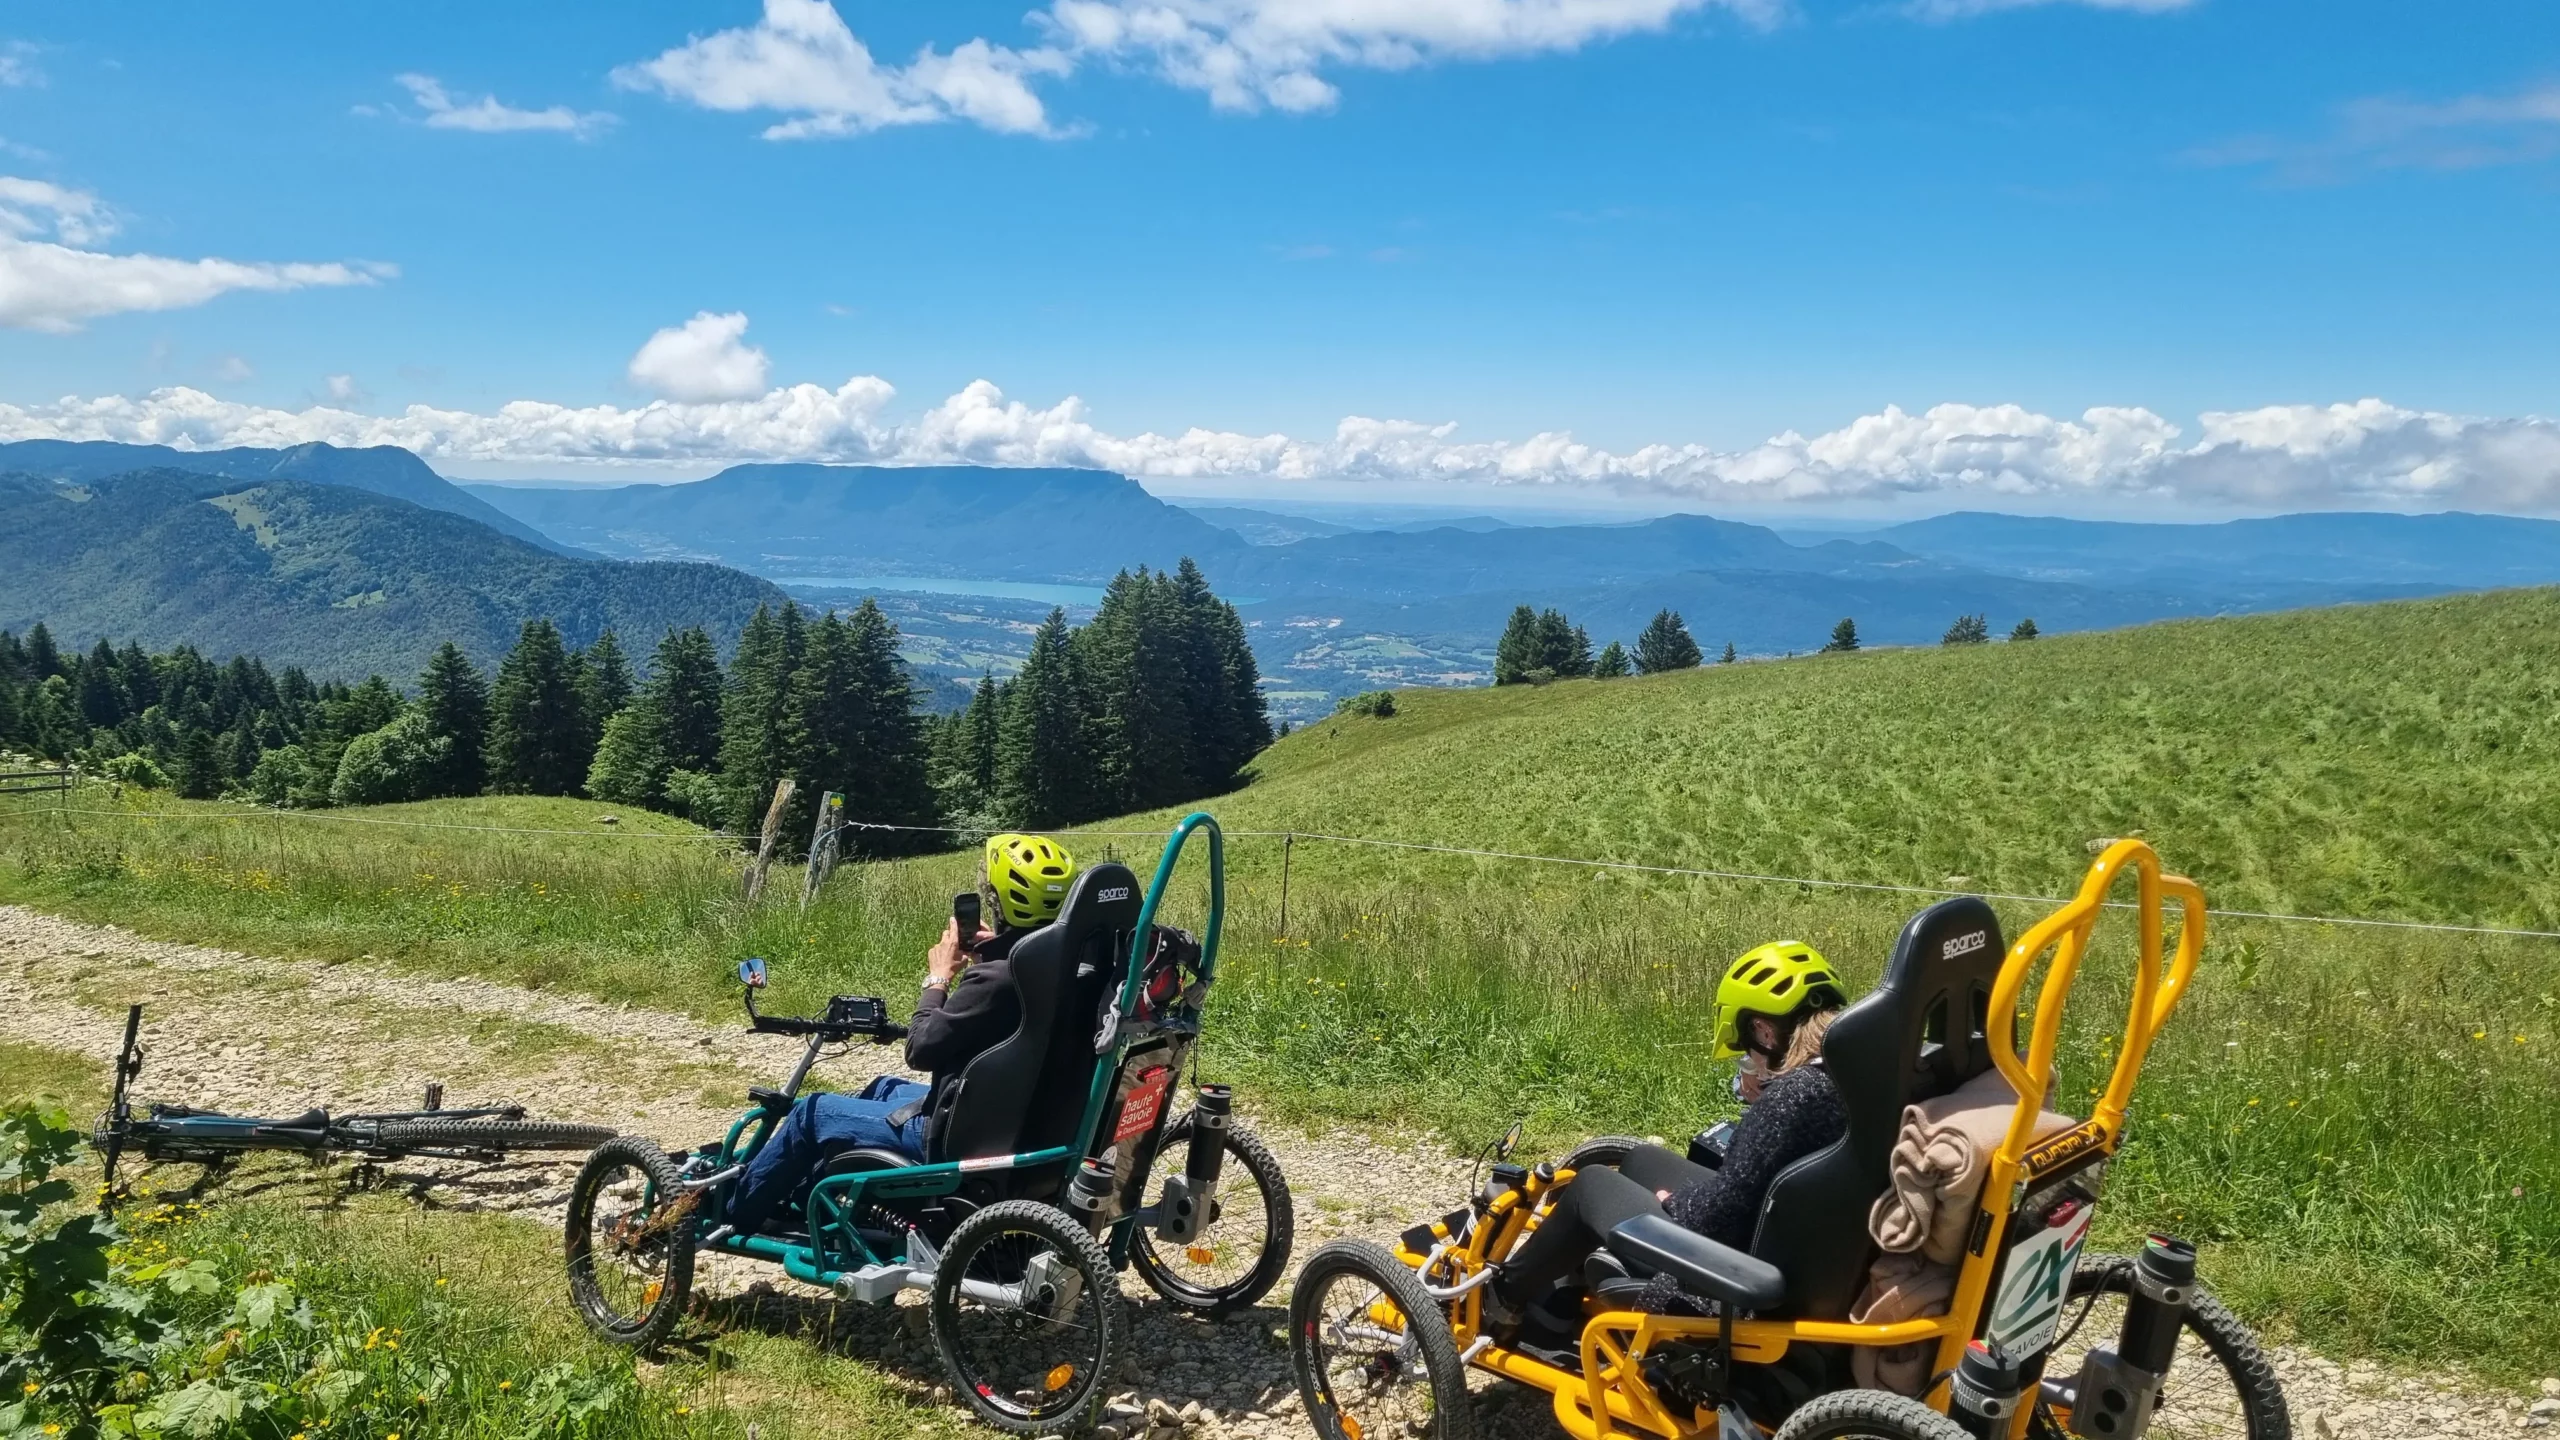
(834, 1199)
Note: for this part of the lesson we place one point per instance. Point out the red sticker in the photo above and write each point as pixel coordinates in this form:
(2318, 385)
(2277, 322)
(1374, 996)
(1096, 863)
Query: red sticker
(1146, 1101)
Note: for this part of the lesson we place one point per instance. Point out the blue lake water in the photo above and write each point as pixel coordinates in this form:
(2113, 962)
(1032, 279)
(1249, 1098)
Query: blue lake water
(1078, 595)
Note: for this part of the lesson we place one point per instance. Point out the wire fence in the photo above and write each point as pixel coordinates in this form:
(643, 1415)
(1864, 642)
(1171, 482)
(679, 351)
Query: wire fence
(1291, 838)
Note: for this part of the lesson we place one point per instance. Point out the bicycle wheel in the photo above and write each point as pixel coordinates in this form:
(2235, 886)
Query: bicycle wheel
(630, 1243)
(1373, 1352)
(1868, 1415)
(1024, 1305)
(1244, 1249)
(2219, 1387)
(489, 1135)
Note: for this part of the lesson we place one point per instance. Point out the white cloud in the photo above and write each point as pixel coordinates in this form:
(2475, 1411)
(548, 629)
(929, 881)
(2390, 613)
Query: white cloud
(803, 61)
(49, 282)
(2363, 453)
(1967, 9)
(235, 368)
(705, 358)
(488, 115)
(18, 65)
(344, 390)
(1246, 54)
(2467, 132)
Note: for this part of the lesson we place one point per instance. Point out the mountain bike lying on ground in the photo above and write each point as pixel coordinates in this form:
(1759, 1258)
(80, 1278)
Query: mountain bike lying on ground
(1034, 1193)
(165, 1131)
(2034, 1339)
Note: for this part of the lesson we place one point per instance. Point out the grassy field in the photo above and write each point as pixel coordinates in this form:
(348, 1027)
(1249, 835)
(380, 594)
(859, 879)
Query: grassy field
(2356, 1121)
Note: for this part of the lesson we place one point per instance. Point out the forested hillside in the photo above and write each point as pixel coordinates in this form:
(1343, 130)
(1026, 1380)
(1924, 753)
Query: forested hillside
(338, 581)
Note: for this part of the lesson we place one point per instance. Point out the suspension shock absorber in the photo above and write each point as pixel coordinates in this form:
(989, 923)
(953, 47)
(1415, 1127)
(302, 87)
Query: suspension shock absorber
(1089, 1195)
(1987, 1386)
(1191, 1198)
(2117, 1388)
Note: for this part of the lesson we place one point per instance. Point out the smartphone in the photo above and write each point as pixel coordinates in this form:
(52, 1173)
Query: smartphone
(965, 912)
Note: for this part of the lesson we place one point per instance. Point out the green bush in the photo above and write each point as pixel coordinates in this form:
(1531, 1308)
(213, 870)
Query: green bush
(1382, 703)
(398, 762)
(278, 775)
(135, 769)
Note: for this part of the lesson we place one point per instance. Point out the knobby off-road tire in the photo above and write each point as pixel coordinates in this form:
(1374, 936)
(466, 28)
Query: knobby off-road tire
(1609, 1150)
(2220, 1386)
(629, 1243)
(1868, 1415)
(1373, 1351)
(490, 1135)
(1243, 1251)
(1039, 1365)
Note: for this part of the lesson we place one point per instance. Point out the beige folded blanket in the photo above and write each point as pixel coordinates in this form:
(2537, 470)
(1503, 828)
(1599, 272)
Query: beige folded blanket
(1938, 1163)
(1899, 1287)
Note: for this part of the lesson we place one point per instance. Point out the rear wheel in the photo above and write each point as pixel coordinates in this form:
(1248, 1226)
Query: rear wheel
(1373, 1351)
(1609, 1150)
(1024, 1306)
(1868, 1415)
(1244, 1249)
(489, 1135)
(630, 1243)
(2219, 1387)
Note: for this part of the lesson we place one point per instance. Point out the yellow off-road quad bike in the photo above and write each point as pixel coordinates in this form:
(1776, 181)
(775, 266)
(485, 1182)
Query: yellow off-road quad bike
(2037, 1340)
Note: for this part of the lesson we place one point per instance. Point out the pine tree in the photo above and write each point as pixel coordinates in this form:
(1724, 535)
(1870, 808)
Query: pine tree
(759, 737)
(631, 758)
(455, 701)
(43, 660)
(1844, 638)
(685, 685)
(974, 747)
(1043, 768)
(1968, 630)
(535, 745)
(1555, 646)
(1729, 655)
(2026, 630)
(1612, 663)
(1229, 721)
(1665, 645)
(1516, 653)
(886, 776)
(199, 766)
(141, 680)
(1129, 664)
(1577, 657)
(609, 682)
(101, 690)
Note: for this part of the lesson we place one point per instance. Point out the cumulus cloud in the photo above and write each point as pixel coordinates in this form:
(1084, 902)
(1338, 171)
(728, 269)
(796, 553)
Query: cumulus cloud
(2360, 453)
(49, 282)
(1248, 54)
(489, 116)
(705, 358)
(801, 60)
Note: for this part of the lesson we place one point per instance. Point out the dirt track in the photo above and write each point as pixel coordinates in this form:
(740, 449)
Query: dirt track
(238, 1031)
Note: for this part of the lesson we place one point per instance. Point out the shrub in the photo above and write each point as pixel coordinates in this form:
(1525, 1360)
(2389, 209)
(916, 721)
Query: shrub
(277, 775)
(1382, 703)
(135, 769)
(694, 794)
(400, 761)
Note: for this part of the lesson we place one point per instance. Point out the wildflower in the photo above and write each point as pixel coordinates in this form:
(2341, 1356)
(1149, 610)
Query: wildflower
(2479, 1034)
(684, 1409)
(506, 1384)
(2253, 1099)
(440, 1282)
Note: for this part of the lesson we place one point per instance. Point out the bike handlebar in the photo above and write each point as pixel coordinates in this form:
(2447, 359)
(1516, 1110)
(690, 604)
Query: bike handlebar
(849, 1017)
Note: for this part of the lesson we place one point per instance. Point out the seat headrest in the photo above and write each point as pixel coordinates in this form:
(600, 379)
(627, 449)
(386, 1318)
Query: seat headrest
(1105, 898)
(1922, 1031)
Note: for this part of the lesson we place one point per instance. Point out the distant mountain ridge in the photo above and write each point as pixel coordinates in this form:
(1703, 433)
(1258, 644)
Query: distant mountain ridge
(381, 469)
(2453, 549)
(1071, 526)
(339, 580)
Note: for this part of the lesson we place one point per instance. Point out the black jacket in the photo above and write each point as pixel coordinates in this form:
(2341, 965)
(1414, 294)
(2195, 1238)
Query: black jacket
(979, 1013)
(1798, 1113)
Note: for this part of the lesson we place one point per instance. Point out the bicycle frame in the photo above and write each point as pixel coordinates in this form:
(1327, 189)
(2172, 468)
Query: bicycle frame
(836, 1254)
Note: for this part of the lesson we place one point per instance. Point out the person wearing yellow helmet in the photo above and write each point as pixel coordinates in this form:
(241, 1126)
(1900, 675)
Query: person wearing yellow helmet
(1773, 1007)
(967, 1007)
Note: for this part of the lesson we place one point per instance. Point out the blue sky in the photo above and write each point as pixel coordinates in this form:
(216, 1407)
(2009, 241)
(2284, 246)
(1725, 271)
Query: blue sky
(1706, 228)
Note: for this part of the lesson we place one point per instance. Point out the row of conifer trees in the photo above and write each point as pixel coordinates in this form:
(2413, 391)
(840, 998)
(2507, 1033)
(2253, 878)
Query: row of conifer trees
(1155, 702)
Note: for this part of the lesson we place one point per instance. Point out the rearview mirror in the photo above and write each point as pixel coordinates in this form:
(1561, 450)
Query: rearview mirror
(1510, 1142)
(751, 972)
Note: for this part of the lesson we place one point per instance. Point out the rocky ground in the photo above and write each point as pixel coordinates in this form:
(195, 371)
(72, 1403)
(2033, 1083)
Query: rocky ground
(237, 1031)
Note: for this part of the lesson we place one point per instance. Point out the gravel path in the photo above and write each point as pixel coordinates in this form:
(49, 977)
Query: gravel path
(234, 1030)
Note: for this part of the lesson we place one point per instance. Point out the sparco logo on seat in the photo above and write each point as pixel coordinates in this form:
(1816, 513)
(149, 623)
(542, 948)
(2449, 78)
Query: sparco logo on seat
(1964, 944)
(1116, 892)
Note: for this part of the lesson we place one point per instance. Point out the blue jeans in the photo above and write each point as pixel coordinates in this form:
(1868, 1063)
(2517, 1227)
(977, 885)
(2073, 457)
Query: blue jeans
(820, 1126)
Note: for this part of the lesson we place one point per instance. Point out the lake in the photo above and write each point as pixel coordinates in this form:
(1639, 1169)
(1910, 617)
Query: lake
(1080, 596)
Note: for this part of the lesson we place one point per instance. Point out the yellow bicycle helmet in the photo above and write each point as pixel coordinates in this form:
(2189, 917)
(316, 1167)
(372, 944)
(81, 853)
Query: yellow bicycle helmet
(1028, 876)
(1778, 979)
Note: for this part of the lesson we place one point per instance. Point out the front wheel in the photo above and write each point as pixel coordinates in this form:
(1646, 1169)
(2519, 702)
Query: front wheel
(2219, 1386)
(630, 1243)
(1868, 1415)
(405, 1135)
(1244, 1249)
(1373, 1352)
(1024, 1304)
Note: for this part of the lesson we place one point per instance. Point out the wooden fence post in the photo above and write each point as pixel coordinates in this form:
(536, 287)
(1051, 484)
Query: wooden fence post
(1288, 845)
(782, 789)
(823, 846)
